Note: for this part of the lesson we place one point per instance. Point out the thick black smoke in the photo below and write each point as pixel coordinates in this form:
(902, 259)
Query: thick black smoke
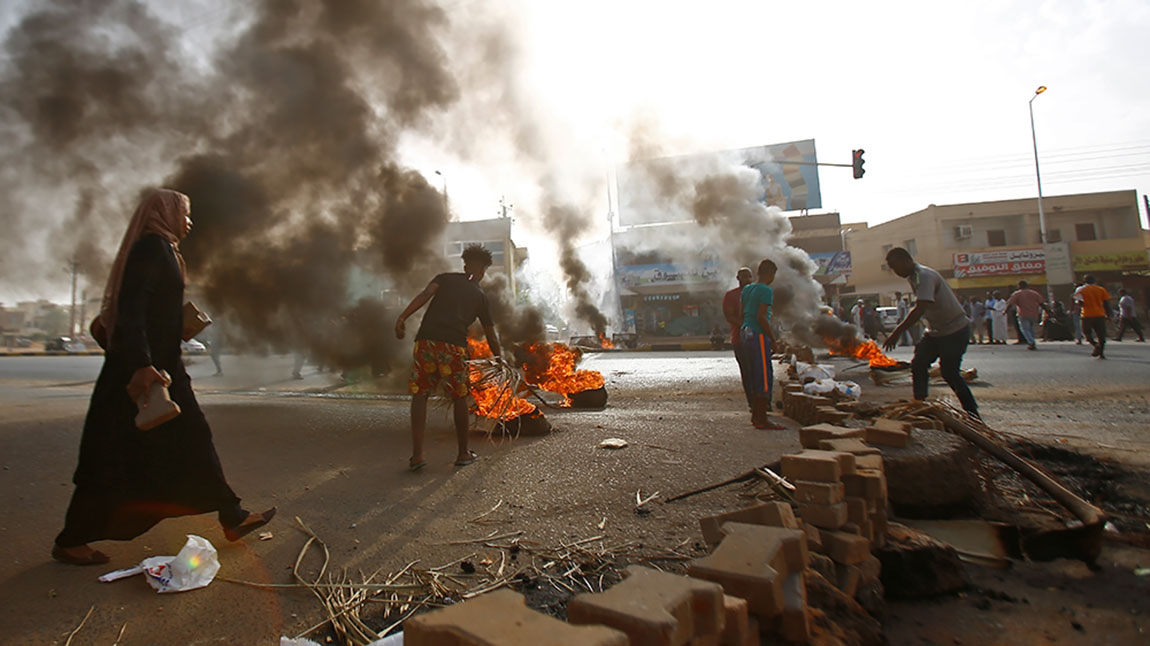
(286, 147)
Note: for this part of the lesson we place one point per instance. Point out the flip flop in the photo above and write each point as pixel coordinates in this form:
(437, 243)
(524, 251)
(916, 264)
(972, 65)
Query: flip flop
(416, 466)
(234, 534)
(470, 460)
(95, 558)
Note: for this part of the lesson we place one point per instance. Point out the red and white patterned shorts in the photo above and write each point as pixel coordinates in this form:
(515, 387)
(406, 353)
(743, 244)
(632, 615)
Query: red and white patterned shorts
(438, 365)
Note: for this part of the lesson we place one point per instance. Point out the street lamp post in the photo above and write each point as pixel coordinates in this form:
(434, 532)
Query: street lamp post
(1041, 214)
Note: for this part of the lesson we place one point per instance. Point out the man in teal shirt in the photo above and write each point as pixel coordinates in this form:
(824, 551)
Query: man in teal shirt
(757, 343)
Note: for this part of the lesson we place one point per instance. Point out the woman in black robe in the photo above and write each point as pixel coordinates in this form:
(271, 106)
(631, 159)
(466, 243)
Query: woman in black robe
(128, 480)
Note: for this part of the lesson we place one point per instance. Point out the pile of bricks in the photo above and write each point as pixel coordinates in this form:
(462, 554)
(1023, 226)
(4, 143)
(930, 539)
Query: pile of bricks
(810, 409)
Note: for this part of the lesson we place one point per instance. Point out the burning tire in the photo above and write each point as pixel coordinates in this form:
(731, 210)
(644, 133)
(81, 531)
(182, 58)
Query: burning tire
(596, 398)
(529, 424)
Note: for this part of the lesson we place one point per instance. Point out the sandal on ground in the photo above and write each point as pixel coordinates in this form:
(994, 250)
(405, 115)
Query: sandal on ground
(769, 426)
(472, 457)
(416, 466)
(250, 524)
(95, 558)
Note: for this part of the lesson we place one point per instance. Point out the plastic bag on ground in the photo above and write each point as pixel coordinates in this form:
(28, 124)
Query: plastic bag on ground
(193, 567)
(819, 387)
(814, 371)
(849, 388)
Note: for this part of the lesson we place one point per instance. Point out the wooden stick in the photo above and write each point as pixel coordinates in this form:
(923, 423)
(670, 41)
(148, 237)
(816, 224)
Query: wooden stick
(82, 621)
(739, 478)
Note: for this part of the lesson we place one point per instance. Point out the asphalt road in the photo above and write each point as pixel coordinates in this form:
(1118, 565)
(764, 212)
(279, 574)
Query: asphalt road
(334, 456)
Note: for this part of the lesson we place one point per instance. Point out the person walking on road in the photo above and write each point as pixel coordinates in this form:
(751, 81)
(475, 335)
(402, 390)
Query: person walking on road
(733, 312)
(758, 343)
(1027, 304)
(977, 318)
(902, 309)
(949, 332)
(988, 321)
(1127, 317)
(1076, 313)
(1095, 311)
(440, 354)
(999, 319)
(127, 480)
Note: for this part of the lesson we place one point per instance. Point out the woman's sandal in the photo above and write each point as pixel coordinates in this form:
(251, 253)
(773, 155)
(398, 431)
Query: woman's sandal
(416, 466)
(249, 524)
(96, 557)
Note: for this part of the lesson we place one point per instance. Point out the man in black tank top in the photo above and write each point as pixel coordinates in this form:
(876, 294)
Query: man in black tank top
(440, 355)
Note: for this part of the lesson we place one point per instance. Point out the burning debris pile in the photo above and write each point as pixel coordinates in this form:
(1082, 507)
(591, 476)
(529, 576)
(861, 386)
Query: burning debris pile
(498, 388)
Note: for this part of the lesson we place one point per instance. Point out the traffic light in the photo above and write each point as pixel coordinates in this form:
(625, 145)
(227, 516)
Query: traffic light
(857, 162)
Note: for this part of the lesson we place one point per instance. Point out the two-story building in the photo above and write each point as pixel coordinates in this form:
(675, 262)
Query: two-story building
(986, 246)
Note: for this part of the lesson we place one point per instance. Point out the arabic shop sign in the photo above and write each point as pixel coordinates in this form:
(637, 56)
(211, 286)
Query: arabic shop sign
(999, 263)
(669, 274)
(833, 263)
(1111, 261)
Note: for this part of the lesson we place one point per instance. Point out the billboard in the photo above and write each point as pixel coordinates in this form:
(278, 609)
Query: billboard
(668, 274)
(999, 263)
(833, 263)
(1127, 260)
(787, 173)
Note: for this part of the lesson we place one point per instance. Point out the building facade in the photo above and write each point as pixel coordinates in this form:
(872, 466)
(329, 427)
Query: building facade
(985, 246)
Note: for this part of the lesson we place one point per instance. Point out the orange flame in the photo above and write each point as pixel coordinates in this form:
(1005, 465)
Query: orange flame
(605, 343)
(552, 367)
(868, 350)
(491, 401)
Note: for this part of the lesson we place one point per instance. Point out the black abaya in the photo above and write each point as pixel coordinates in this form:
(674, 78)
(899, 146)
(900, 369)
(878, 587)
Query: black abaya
(127, 480)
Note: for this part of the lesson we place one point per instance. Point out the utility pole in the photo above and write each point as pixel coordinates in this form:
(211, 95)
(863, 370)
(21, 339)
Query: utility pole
(72, 312)
(504, 207)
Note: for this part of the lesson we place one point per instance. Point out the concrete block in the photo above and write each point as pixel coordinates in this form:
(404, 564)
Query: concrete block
(823, 564)
(751, 562)
(899, 439)
(796, 625)
(810, 436)
(878, 521)
(888, 424)
(814, 539)
(498, 618)
(824, 516)
(870, 570)
(868, 485)
(856, 509)
(736, 624)
(776, 514)
(709, 640)
(848, 549)
(818, 468)
(871, 462)
(847, 578)
(851, 445)
(653, 607)
(818, 493)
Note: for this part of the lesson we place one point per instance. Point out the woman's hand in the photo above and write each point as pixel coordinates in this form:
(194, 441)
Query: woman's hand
(143, 378)
(400, 328)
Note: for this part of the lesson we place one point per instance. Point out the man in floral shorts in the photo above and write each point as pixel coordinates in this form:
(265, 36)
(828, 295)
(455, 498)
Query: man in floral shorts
(439, 359)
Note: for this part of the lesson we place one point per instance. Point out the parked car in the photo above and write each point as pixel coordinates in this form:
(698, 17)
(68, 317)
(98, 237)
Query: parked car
(64, 344)
(888, 317)
(192, 347)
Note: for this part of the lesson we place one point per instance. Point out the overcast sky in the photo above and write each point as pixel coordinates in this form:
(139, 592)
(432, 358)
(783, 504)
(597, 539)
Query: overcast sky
(936, 93)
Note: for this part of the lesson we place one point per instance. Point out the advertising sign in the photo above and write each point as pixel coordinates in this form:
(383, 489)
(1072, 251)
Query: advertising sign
(833, 263)
(999, 263)
(1058, 268)
(1127, 260)
(644, 186)
(668, 274)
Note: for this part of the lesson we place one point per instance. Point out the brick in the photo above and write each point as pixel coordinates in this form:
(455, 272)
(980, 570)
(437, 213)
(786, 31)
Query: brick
(819, 468)
(847, 578)
(888, 424)
(752, 563)
(856, 509)
(848, 549)
(795, 548)
(898, 439)
(878, 521)
(871, 462)
(810, 436)
(851, 445)
(501, 617)
(864, 484)
(824, 516)
(818, 493)
(796, 625)
(869, 570)
(709, 640)
(823, 565)
(736, 623)
(777, 514)
(653, 607)
(814, 539)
